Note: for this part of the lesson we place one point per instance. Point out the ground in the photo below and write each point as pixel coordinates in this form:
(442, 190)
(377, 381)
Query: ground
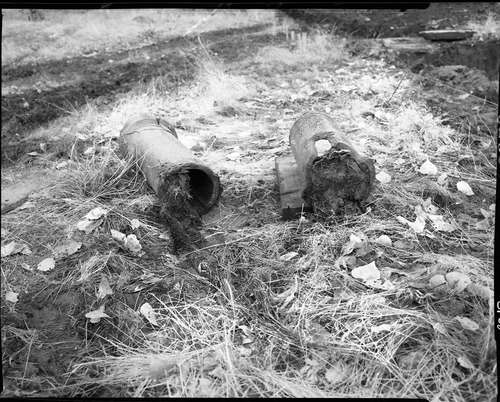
(265, 307)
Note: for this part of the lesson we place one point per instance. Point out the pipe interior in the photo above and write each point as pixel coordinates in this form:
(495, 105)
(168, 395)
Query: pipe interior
(201, 187)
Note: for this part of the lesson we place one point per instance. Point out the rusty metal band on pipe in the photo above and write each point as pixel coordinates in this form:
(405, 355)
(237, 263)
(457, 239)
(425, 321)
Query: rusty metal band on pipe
(341, 175)
(154, 145)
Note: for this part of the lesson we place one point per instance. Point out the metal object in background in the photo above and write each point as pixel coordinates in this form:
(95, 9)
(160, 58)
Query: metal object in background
(339, 181)
(154, 146)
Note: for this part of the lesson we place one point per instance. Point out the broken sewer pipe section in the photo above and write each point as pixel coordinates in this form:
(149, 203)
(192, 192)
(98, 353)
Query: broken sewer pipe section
(340, 180)
(169, 167)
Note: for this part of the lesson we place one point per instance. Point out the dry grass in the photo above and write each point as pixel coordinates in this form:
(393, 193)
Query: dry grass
(490, 27)
(94, 30)
(264, 322)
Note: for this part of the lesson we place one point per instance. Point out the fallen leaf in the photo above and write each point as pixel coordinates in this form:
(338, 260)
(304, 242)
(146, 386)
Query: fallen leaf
(96, 315)
(104, 288)
(428, 207)
(442, 179)
(132, 244)
(11, 296)
(458, 280)
(384, 240)
(441, 226)
(233, 156)
(439, 328)
(437, 280)
(43, 146)
(464, 188)
(96, 213)
(383, 177)
(135, 224)
(87, 225)
(480, 291)
(467, 323)
(14, 248)
(67, 249)
(334, 375)
(428, 168)
(46, 265)
(61, 165)
(119, 236)
(366, 272)
(26, 267)
(288, 256)
(419, 225)
(465, 362)
(148, 312)
(482, 225)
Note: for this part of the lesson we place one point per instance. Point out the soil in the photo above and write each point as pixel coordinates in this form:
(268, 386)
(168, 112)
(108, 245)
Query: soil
(36, 94)
(393, 23)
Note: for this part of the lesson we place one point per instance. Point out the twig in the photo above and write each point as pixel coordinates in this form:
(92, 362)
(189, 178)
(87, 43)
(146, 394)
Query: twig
(397, 87)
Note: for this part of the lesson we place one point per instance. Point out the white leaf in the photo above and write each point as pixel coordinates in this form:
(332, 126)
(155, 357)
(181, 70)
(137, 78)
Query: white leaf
(233, 156)
(402, 220)
(104, 288)
(26, 267)
(463, 187)
(442, 179)
(11, 296)
(383, 177)
(467, 323)
(442, 226)
(492, 207)
(96, 315)
(384, 240)
(14, 248)
(428, 168)
(132, 244)
(380, 328)
(366, 272)
(439, 328)
(89, 151)
(148, 312)
(465, 362)
(96, 213)
(480, 291)
(428, 207)
(87, 225)
(334, 375)
(419, 225)
(458, 280)
(46, 265)
(437, 280)
(61, 165)
(486, 214)
(288, 256)
(67, 249)
(135, 223)
(482, 225)
(119, 236)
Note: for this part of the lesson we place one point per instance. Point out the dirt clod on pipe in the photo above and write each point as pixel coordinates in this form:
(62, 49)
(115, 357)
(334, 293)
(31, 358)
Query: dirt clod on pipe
(337, 182)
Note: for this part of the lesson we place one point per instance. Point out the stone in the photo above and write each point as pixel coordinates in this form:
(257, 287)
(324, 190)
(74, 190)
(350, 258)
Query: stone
(17, 194)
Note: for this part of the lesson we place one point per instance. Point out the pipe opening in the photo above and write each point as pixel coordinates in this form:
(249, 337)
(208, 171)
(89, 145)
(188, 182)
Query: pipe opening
(203, 190)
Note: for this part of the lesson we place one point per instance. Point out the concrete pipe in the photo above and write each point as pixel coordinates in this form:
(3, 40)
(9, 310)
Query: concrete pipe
(153, 144)
(338, 181)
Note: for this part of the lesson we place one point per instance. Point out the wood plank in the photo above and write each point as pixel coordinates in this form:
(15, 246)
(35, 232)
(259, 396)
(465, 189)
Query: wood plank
(291, 185)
